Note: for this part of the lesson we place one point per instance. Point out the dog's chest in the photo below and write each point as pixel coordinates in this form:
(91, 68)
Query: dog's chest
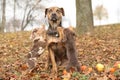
(52, 36)
(52, 33)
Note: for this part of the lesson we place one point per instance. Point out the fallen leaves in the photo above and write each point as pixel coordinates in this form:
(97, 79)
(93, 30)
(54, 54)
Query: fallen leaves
(101, 47)
(23, 67)
(83, 68)
(65, 72)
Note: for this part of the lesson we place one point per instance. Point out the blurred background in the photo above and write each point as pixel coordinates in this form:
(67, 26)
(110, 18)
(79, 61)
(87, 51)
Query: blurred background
(20, 15)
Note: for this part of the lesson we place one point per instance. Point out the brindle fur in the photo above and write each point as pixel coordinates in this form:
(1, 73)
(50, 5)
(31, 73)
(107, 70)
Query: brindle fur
(54, 15)
(56, 49)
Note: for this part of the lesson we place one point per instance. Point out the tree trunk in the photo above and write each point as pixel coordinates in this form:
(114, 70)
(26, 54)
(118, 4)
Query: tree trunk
(84, 16)
(3, 16)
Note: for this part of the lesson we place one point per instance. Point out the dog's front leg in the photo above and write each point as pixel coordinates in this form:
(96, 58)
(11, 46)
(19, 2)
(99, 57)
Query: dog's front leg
(54, 66)
(48, 61)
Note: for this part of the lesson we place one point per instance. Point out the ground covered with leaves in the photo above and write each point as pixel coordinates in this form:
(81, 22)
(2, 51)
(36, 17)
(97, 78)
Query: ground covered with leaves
(101, 47)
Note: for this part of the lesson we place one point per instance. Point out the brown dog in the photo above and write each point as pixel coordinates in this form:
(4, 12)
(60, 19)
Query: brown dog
(40, 42)
(57, 50)
(68, 37)
(69, 40)
(54, 15)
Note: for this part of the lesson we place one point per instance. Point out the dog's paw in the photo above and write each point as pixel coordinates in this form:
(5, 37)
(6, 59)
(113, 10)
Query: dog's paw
(54, 70)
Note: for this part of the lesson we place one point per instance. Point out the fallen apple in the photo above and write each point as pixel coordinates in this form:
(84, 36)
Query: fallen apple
(112, 70)
(119, 65)
(83, 68)
(90, 69)
(100, 67)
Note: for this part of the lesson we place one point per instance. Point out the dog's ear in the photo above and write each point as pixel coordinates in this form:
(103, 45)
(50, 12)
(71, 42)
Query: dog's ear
(46, 11)
(63, 13)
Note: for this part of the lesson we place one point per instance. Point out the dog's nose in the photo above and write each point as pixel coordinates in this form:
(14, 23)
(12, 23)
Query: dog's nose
(54, 15)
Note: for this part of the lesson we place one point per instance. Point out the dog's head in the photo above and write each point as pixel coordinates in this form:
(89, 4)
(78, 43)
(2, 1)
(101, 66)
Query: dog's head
(54, 15)
(69, 35)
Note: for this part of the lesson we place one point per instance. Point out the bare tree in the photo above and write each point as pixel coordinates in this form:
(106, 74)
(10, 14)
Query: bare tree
(84, 16)
(0, 11)
(29, 12)
(3, 16)
(14, 17)
(11, 23)
(100, 13)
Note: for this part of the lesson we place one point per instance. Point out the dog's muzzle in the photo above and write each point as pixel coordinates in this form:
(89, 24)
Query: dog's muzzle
(54, 17)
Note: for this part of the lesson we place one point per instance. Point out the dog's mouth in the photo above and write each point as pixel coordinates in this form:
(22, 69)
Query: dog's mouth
(54, 17)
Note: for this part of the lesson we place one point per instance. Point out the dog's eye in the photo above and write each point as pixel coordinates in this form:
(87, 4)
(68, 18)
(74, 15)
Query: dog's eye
(58, 11)
(50, 10)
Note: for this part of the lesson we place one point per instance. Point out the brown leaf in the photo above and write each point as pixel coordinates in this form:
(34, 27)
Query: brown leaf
(112, 77)
(44, 76)
(24, 67)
